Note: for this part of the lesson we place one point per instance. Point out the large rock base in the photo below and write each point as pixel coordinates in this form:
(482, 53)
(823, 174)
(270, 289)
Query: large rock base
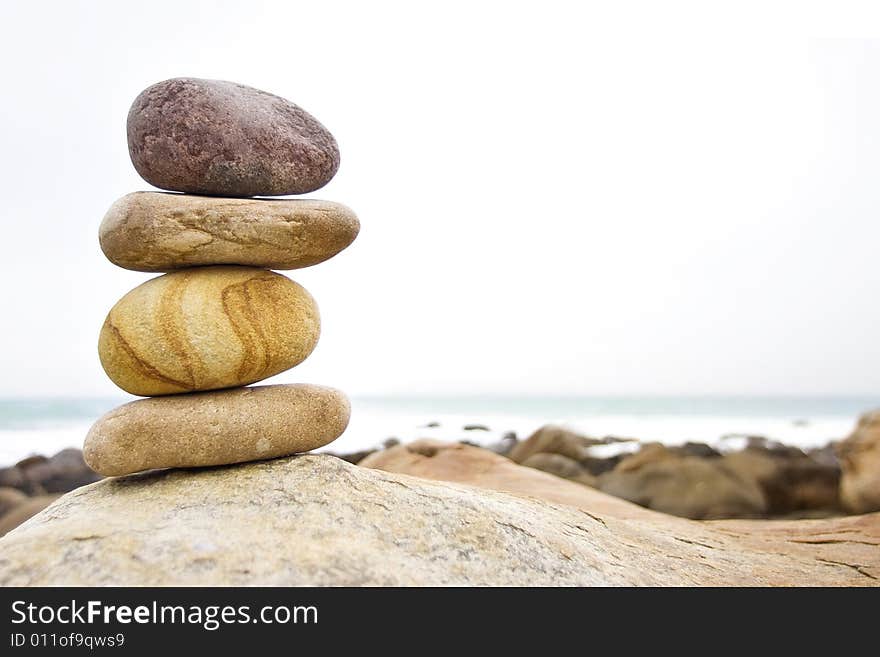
(317, 520)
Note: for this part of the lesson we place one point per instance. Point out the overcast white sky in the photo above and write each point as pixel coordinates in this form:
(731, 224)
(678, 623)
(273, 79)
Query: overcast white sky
(572, 198)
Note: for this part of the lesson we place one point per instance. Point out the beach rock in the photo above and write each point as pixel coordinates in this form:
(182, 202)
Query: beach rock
(455, 462)
(790, 480)
(554, 440)
(505, 444)
(60, 473)
(207, 328)
(155, 232)
(859, 456)
(826, 455)
(9, 499)
(691, 487)
(701, 450)
(648, 453)
(214, 428)
(561, 466)
(597, 465)
(28, 508)
(316, 520)
(226, 139)
(13, 477)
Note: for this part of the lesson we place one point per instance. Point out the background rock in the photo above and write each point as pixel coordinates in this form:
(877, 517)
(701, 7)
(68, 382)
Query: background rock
(859, 458)
(60, 473)
(790, 479)
(9, 499)
(686, 486)
(561, 466)
(28, 508)
(553, 440)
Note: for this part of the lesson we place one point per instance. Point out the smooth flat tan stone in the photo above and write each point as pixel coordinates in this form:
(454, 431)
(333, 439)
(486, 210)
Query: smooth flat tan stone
(207, 328)
(215, 428)
(156, 232)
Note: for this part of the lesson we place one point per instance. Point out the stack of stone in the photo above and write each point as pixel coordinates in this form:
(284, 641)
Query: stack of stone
(220, 319)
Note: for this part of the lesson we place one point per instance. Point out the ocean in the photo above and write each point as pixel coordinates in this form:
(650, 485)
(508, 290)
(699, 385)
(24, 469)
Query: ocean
(44, 426)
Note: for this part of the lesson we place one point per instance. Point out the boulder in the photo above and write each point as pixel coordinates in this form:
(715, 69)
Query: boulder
(316, 520)
(9, 499)
(60, 473)
(28, 508)
(791, 480)
(561, 466)
(663, 479)
(859, 456)
(647, 454)
(699, 449)
(553, 440)
(505, 444)
(14, 477)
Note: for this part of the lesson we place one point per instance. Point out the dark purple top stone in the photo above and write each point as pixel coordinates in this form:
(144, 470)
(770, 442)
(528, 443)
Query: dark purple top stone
(225, 139)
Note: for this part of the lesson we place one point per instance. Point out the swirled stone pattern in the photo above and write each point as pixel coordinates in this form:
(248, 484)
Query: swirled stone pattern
(207, 328)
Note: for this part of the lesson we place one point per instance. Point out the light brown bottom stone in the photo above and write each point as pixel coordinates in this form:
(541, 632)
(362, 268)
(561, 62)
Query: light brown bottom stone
(215, 428)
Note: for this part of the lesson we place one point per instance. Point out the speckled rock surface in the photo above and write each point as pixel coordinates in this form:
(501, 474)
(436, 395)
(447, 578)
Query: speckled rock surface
(156, 232)
(316, 520)
(215, 428)
(226, 139)
(207, 328)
